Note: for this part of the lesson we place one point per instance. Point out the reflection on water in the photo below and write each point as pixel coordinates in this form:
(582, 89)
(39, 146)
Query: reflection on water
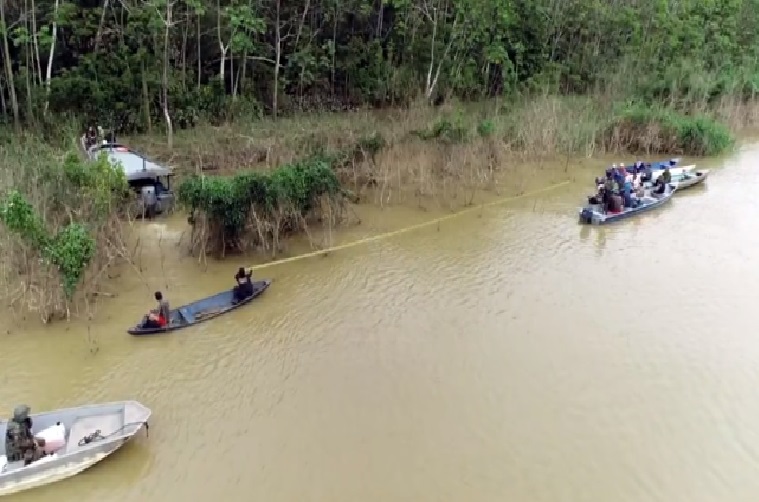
(507, 355)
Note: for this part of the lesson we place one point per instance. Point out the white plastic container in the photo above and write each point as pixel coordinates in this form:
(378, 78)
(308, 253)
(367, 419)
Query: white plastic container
(54, 436)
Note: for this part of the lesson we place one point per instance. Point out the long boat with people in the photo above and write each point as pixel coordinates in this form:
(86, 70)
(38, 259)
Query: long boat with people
(621, 195)
(162, 319)
(602, 209)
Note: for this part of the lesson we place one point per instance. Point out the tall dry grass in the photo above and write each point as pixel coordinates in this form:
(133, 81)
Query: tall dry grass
(30, 283)
(446, 152)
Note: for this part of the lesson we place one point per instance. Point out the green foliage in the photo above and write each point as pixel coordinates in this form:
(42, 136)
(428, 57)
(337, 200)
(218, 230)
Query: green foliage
(223, 199)
(446, 131)
(371, 145)
(64, 189)
(71, 250)
(692, 134)
(290, 191)
(486, 128)
(21, 218)
(686, 53)
(98, 181)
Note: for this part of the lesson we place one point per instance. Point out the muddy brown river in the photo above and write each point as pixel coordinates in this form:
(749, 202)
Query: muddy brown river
(505, 355)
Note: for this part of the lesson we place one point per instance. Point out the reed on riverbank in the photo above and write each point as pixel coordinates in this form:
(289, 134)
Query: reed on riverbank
(452, 151)
(61, 227)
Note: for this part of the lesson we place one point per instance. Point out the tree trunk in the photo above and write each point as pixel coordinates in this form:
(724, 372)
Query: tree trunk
(166, 115)
(36, 43)
(49, 70)
(277, 59)
(9, 72)
(185, 32)
(222, 48)
(146, 98)
(200, 59)
(99, 33)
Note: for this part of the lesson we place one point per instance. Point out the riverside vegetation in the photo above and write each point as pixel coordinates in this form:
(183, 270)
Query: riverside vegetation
(62, 221)
(251, 87)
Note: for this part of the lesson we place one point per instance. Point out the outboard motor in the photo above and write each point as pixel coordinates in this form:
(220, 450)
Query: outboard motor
(149, 200)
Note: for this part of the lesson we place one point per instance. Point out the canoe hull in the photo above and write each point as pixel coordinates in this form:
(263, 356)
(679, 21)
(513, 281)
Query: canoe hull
(202, 310)
(118, 423)
(593, 215)
(692, 179)
(677, 171)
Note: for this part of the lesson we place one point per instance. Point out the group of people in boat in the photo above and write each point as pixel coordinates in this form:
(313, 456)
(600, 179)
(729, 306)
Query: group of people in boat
(160, 317)
(624, 188)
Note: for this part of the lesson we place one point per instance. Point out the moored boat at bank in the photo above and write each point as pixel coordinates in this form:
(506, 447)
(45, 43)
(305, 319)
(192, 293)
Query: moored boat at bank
(75, 439)
(150, 181)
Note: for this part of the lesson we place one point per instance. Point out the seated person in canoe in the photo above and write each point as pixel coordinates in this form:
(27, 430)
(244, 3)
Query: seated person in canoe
(662, 181)
(158, 317)
(244, 286)
(20, 443)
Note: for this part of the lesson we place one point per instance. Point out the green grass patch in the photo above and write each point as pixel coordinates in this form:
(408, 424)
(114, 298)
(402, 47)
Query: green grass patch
(638, 128)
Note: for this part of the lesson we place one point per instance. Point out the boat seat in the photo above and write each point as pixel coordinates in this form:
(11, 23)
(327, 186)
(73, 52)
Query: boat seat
(187, 316)
(84, 426)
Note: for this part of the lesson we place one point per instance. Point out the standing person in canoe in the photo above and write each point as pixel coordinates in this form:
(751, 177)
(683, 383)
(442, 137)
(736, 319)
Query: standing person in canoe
(158, 317)
(244, 287)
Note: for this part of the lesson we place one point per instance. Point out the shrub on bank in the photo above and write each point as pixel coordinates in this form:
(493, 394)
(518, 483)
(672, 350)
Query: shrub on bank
(58, 218)
(550, 125)
(256, 208)
(638, 128)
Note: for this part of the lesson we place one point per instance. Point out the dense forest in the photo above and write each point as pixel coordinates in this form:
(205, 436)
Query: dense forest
(134, 65)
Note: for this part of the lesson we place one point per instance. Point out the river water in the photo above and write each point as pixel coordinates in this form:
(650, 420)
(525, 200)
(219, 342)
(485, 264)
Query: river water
(508, 354)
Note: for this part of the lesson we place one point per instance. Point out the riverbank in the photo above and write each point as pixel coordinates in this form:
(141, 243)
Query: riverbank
(444, 152)
(442, 158)
(300, 173)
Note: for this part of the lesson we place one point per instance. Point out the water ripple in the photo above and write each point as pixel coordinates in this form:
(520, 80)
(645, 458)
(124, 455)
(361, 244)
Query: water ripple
(472, 361)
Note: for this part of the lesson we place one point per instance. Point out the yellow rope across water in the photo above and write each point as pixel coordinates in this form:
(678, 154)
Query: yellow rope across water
(387, 235)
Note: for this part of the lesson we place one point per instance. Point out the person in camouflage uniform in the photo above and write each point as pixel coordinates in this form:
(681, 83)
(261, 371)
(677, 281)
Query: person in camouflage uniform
(20, 443)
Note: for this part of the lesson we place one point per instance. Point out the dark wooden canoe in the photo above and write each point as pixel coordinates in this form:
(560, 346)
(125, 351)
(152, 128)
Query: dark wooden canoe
(202, 310)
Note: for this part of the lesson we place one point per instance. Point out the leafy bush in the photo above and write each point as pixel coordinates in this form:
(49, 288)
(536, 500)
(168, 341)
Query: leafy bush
(446, 131)
(71, 250)
(279, 200)
(42, 208)
(659, 130)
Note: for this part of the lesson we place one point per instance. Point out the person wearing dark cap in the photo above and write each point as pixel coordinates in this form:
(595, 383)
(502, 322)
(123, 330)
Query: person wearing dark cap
(159, 317)
(244, 286)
